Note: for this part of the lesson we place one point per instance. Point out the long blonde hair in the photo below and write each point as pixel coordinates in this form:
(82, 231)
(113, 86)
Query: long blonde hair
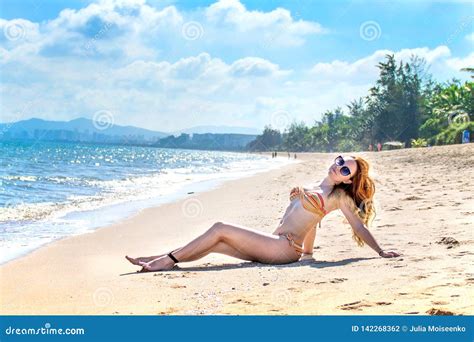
(359, 195)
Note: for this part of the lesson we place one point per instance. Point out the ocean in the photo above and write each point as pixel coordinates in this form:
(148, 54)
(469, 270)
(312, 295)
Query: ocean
(51, 190)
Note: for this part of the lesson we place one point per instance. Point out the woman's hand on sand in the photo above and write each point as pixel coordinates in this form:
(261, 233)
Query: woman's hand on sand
(389, 254)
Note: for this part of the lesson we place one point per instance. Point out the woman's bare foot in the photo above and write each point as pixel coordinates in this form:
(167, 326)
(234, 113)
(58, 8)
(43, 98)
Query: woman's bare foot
(136, 261)
(162, 263)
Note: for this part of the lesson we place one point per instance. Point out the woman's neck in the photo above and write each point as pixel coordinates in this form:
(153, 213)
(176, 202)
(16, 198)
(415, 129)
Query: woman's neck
(327, 183)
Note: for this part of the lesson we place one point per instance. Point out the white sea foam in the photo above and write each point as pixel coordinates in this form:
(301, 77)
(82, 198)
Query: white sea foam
(27, 226)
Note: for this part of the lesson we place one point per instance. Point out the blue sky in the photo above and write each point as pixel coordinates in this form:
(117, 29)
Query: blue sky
(169, 65)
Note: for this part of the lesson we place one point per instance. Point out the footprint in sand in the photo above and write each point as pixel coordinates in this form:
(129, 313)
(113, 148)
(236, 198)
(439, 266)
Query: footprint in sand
(338, 280)
(449, 241)
(354, 305)
(242, 301)
(416, 259)
(440, 312)
(420, 277)
(440, 302)
(412, 198)
(465, 253)
(358, 305)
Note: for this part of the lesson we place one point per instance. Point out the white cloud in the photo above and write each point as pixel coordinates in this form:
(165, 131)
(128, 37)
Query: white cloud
(276, 27)
(200, 89)
(256, 67)
(132, 59)
(365, 70)
(459, 63)
(135, 30)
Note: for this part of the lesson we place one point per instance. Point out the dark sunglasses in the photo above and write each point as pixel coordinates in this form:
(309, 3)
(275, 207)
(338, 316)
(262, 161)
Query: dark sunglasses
(345, 171)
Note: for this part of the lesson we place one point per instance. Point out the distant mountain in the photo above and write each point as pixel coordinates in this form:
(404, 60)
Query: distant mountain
(80, 129)
(86, 130)
(220, 130)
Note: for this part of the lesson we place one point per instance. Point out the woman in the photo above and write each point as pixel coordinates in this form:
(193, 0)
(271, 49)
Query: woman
(347, 187)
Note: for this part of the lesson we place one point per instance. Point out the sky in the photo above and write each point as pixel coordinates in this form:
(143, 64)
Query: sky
(171, 65)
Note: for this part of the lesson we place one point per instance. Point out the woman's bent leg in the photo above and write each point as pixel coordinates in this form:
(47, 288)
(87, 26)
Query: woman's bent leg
(243, 243)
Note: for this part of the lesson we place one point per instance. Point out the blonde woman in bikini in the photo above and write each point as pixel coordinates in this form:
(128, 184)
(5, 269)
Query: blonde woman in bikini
(346, 187)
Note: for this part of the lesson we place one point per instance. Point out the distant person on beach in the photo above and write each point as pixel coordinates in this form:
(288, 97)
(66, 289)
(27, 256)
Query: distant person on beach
(346, 187)
(371, 147)
(295, 155)
(379, 147)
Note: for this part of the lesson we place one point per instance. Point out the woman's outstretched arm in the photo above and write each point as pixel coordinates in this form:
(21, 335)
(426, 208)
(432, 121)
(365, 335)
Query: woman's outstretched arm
(361, 231)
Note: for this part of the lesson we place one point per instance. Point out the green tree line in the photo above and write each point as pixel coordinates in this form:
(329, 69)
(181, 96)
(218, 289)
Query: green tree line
(405, 105)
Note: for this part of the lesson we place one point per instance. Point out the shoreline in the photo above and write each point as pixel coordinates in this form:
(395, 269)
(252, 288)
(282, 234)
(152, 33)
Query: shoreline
(88, 274)
(114, 212)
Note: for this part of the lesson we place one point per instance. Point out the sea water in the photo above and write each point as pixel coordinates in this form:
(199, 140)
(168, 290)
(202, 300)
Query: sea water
(51, 190)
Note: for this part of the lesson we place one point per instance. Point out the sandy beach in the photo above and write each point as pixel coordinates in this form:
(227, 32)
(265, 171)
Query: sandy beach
(424, 211)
